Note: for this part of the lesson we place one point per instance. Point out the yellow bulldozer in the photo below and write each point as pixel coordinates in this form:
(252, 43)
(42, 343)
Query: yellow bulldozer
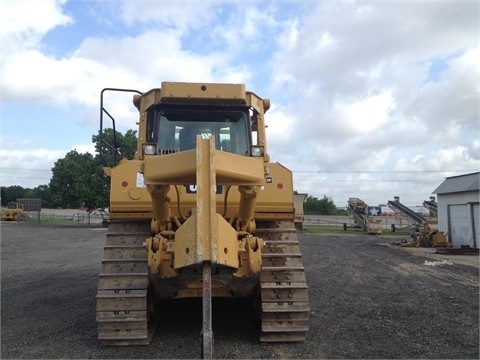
(13, 212)
(200, 211)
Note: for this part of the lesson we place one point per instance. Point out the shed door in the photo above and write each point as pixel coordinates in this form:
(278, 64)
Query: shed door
(460, 227)
(476, 224)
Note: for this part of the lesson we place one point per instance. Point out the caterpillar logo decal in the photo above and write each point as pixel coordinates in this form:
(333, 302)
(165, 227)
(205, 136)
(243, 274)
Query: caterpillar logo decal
(192, 189)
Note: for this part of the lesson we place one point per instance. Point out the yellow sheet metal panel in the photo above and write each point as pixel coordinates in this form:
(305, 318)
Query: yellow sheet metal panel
(185, 244)
(227, 243)
(275, 201)
(257, 102)
(233, 169)
(203, 91)
(189, 241)
(206, 207)
(150, 98)
(230, 169)
(173, 169)
(128, 196)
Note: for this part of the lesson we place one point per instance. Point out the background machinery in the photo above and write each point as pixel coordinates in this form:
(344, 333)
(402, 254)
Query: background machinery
(13, 212)
(431, 205)
(357, 209)
(424, 232)
(200, 212)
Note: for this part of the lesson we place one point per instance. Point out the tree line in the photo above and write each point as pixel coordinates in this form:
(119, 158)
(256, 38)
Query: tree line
(78, 180)
(324, 206)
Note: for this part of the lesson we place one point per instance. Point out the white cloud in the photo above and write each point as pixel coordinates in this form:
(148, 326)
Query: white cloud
(84, 148)
(27, 167)
(24, 22)
(367, 87)
(25, 164)
(166, 14)
(365, 115)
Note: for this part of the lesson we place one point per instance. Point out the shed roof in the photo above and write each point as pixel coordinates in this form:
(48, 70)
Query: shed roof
(460, 183)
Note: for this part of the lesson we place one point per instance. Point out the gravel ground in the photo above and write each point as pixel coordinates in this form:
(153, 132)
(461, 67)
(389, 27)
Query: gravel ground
(368, 300)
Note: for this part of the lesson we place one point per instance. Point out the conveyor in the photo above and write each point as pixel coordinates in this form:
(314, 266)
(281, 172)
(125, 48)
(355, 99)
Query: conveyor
(398, 207)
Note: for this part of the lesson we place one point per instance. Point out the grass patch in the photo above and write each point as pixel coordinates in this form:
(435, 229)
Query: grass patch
(326, 230)
(56, 221)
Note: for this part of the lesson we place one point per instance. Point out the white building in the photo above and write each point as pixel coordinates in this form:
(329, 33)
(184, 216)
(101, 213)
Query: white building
(459, 210)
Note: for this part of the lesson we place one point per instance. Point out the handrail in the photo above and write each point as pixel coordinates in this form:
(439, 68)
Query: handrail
(100, 134)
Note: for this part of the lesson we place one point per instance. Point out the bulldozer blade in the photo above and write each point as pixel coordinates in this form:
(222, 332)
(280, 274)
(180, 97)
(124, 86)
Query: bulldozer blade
(207, 333)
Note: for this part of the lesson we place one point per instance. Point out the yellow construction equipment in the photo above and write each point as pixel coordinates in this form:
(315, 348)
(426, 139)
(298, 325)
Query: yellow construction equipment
(424, 233)
(13, 212)
(427, 236)
(201, 211)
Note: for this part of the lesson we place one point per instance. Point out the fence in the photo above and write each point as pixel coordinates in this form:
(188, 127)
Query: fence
(75, 219)
(337, 220)
(64, 217)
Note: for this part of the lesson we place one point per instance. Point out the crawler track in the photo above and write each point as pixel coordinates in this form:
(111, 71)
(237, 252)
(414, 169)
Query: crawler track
(284, 292)
(122, 312)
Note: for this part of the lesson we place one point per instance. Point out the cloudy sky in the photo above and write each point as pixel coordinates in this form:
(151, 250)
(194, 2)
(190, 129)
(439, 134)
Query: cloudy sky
(370, 99)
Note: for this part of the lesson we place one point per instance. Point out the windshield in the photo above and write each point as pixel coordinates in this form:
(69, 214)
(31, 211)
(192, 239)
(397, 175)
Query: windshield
(175, 129)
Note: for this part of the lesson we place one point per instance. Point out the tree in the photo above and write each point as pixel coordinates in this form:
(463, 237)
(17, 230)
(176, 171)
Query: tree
(12, 193)
(43, 192)
(78, 180)
(123, 145)
(327, 206)
(314, 206)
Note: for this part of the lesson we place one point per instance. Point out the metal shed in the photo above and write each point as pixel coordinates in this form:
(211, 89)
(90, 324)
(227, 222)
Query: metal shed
(459, 210)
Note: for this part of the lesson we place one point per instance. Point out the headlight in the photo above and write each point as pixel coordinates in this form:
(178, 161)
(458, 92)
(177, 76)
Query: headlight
(150, 149)
(256, 151)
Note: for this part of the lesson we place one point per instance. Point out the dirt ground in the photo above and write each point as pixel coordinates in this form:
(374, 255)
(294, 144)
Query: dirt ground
(368, 299)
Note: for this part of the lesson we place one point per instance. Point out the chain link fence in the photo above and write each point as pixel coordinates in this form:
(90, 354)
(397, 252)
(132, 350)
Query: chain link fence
(68, 217)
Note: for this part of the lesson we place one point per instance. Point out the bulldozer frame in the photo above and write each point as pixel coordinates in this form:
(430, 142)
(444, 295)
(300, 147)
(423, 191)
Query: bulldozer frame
(13, 212)
(199, 212)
